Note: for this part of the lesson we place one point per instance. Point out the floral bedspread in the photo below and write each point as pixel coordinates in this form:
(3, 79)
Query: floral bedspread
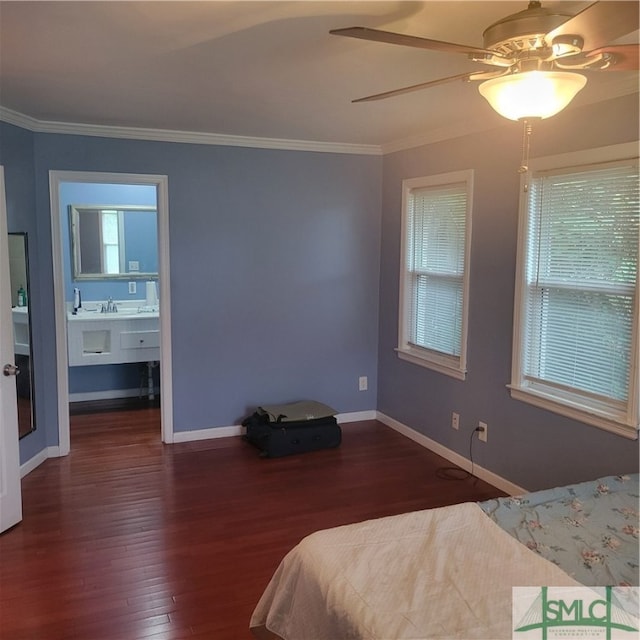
(590, 530)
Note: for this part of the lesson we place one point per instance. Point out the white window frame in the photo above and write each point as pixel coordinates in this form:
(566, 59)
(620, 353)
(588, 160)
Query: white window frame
(623, 420)
(448, 364)
(104, 214)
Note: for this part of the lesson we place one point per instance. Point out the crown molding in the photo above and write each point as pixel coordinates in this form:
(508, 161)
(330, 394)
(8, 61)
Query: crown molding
(621, 88)
(457, 130)
(18, 119)
(187, 137)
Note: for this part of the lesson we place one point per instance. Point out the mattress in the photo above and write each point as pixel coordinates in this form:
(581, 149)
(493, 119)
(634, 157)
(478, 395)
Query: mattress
(590, 529)
(449, 572)
(424, 574)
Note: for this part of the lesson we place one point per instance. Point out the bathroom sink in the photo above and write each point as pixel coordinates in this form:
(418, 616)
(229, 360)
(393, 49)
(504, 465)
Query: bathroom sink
(95, 313)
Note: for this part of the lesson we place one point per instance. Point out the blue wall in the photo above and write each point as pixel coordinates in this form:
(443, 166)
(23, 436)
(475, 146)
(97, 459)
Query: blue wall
(101, 194)
(531, 447)
(17, 157)
(281, 262)
(274, 271)
(141, 233)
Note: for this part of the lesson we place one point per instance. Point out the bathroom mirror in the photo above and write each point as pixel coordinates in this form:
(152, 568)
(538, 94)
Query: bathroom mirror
(113, 241)
(22, 342)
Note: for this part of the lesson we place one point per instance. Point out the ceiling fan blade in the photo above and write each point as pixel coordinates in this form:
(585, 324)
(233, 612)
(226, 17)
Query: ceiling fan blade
(415, 87)
(600, 23)
(626, 57)
(365, 33)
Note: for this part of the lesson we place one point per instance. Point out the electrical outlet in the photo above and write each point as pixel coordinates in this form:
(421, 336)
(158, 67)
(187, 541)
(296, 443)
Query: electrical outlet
(483, 433)
(132, 287)
(363, 383)
(455, 420)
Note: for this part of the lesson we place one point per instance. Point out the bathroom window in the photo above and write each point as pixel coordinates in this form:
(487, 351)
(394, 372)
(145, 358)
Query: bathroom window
(110, 241)
(434, 287)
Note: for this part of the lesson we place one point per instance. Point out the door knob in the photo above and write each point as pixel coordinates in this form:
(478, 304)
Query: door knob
(10, 370)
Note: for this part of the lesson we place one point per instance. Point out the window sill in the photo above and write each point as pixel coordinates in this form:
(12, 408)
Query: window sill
(544, 401)
(440, 366)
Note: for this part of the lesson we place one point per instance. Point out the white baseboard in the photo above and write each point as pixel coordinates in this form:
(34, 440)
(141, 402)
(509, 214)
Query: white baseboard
(439, 449)
(237, 430)
(343, 418)
(178, 436)
(356, 416)
(109, 394)
(207, 434)
(38, 459)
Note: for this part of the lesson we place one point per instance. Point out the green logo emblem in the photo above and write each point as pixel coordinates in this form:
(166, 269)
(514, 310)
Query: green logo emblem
(581, 612)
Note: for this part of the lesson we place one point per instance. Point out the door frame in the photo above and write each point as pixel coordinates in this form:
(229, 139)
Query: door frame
(10, 487)
(161, 183)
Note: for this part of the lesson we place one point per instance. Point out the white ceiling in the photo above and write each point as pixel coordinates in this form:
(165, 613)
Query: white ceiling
(258, 69)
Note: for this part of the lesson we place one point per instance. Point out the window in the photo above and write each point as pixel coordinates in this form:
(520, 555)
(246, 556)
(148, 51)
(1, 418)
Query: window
(110, 239)
(436, 217)
(576, 317)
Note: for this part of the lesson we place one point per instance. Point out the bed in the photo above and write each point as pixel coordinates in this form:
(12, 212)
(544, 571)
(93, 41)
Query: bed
(449, 572)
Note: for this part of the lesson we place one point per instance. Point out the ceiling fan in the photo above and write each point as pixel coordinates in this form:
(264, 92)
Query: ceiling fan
(534, 52)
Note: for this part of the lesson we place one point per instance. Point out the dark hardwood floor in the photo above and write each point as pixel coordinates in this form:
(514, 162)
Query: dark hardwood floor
(129, 539)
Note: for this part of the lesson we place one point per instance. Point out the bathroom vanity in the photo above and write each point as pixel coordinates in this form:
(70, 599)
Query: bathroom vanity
(132, 334)
(21, 330)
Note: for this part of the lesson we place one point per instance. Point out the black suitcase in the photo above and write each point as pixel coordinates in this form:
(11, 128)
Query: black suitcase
(277, 435)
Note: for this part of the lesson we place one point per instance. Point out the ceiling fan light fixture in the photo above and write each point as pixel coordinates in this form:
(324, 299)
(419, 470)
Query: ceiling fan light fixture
(532, 94)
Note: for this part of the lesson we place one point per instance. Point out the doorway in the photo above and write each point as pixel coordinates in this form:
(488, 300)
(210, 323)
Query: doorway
(60, 226)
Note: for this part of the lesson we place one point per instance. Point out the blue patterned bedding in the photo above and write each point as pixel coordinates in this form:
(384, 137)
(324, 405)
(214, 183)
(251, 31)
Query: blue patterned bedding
(590, 530)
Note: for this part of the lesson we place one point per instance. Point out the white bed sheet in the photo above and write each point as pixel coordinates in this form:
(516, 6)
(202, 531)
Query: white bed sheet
(438, 573)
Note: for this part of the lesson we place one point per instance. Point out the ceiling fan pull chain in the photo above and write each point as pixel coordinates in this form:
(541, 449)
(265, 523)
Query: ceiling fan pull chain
(526, 145)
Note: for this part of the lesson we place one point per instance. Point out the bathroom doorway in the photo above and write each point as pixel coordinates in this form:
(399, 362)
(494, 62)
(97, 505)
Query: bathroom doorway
(116, 280)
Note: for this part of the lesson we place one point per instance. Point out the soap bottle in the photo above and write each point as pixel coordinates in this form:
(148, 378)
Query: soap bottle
(77, 300)
(22, 297)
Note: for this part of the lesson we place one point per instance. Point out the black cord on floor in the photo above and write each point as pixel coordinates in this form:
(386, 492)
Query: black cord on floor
(456, 473)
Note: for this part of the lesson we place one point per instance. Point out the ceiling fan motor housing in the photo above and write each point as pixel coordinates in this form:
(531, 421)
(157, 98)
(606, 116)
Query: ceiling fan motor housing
(522, 34)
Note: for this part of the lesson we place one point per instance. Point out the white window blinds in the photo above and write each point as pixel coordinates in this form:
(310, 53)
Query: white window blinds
(110, 236)
(579, 318)
(436, 213)
(436, 264)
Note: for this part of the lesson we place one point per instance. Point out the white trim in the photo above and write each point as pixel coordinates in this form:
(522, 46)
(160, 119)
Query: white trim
(409, 356)
(439, 449)
(623, 87)
(60, 307)
(450, 132)
(109, 394)
(566, 404)
(38, 459)
(18, 119)
(451, 365)
(60, 319)
(356, 416)
(210, 433)
(238, 430)
(577, 159)
(188, 137)
(344, 418)
(166, 352)
(538, 399)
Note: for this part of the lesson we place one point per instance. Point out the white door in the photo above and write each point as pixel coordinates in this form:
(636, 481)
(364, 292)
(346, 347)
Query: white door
(10, 496)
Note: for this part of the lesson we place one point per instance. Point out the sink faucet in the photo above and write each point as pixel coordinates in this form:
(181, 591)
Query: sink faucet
(109, 307)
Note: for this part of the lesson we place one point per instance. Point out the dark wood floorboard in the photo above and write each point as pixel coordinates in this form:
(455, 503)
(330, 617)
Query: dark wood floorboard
(129, 539)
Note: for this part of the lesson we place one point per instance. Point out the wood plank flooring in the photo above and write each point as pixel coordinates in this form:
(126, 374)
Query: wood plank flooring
(129, 539)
